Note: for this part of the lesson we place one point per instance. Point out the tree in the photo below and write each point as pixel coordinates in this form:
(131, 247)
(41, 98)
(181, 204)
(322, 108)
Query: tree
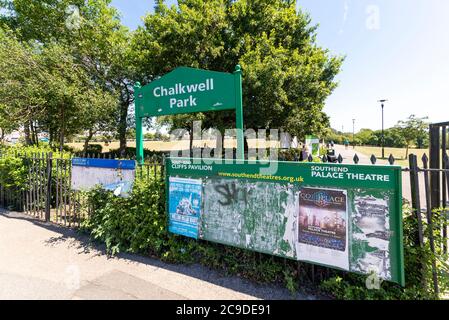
(97, 41)
(43, 88)
(104, 48)
(21, 91)
(286, 77)
(365, 136)
(413, 130)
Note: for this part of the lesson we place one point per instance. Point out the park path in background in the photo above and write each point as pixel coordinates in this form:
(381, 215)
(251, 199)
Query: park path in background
(44, 261)
(348, 155)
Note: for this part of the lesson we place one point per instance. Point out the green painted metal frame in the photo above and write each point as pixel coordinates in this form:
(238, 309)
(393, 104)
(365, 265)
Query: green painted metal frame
(296, 169)
(238, 107)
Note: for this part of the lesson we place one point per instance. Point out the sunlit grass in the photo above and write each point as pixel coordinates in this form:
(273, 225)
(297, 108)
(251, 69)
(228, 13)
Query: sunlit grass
(398, 153)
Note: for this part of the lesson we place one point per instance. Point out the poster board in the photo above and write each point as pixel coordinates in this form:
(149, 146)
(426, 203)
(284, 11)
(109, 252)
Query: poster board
(114, 175)
(347, 217)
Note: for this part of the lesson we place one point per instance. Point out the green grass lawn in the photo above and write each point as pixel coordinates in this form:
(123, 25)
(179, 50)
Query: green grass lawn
(398, 153)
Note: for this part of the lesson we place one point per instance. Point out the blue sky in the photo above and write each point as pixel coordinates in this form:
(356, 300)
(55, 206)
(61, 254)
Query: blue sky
(395, 49)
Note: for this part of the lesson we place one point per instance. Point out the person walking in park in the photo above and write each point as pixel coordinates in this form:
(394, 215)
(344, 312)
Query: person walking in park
(304, 152)
(346, 143)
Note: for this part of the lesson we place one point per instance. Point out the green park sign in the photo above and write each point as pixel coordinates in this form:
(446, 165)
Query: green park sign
(347, 217)
(188, 90)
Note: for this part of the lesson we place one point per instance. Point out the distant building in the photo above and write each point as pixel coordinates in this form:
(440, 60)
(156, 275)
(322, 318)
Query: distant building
(13, 137)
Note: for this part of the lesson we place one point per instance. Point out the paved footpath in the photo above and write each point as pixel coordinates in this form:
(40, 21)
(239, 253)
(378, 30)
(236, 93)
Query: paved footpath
(348, 155)
(45, 261)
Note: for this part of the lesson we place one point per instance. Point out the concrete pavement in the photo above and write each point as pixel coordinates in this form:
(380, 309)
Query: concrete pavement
(348, 155)
(45, 261)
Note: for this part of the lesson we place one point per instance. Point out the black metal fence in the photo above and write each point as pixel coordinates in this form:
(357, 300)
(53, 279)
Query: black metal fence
(46, 193)
(430, 211)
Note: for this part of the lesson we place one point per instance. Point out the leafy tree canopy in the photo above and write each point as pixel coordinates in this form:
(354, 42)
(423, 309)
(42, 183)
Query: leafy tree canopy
(92, 37)
(286, 78)
(80, 54)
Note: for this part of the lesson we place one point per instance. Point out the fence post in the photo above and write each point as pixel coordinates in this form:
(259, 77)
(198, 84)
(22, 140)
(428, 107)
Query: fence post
(444, 186)
(48, 195)
(446, 211)
(434, 163)
(416, 201)
(430, 226)
(416, 209)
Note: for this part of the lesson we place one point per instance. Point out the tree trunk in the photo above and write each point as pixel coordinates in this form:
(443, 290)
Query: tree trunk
(26, 130)
(219, 143)
(222, 144)
(406, 153)
(51, 136)
(34, 136)
(61, 136)
(191, 140)
(86, 142)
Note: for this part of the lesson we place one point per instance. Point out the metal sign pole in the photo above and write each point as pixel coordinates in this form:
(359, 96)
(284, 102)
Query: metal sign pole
(239, 113)
(139, 131)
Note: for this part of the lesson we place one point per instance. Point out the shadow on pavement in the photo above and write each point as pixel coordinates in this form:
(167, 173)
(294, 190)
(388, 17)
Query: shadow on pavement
(85, 244)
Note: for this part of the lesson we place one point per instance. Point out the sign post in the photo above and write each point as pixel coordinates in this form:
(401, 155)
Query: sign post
(139, 133)
(189, 90)
(239, 113)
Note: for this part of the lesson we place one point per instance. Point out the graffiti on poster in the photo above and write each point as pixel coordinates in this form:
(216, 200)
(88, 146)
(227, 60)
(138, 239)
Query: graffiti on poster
(228, 218)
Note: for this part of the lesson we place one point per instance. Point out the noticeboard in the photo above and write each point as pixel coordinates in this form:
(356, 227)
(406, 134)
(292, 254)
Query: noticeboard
(110, 174)
(347, 217)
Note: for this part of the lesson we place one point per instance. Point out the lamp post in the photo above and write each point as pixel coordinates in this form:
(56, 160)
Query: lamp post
(383, 135)
(353, 133)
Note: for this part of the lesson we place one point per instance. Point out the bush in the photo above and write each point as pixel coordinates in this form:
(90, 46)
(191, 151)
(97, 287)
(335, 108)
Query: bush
(94, 148)
(293, 154)
(290, 154)
(130, 152)
(14, 165)
(418, 269)
(13, 171)
(138, 224)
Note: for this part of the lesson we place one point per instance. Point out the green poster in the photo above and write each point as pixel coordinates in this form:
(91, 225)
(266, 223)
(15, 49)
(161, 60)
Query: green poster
(344, 216)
